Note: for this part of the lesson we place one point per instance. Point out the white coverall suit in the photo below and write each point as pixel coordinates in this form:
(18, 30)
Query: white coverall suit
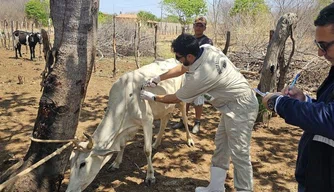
(214, 75)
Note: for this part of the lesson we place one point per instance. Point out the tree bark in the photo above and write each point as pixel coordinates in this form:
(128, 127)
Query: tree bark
(65, 87)
(284, 66)
(269, 72)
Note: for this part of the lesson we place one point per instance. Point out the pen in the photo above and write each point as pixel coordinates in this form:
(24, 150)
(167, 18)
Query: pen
(294, 81)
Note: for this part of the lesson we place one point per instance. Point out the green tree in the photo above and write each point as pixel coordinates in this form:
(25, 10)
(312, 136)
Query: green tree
(104, 18)
(172, 19)
(38, 10)
(252, 7)
(185, 9)
(145, 16)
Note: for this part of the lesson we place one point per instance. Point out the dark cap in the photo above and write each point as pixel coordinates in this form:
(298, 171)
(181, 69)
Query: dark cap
(201, 20)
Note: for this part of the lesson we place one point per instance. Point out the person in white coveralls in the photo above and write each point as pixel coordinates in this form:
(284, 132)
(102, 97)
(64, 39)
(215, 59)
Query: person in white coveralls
(208, 71)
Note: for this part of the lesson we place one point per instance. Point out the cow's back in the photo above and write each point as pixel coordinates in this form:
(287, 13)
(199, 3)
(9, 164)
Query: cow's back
(132, 82)
(127, 110)
(21, 36)
(169, 86)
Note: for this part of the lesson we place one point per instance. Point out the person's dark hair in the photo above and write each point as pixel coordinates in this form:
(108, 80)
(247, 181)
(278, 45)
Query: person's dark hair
(326, 16)
(186, 44)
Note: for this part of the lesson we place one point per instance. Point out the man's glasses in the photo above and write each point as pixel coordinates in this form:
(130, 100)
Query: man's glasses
(324, 46)
(178, 57)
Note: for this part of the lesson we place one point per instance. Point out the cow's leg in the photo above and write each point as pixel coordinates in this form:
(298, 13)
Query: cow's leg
(16, 52)
(118, 160)
(31, 52)
(190, 140)
(163, 124)
(19, 49)
(147, 128)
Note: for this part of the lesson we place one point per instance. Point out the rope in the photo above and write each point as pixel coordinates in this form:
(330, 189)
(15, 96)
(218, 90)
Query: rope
(40, 162)
(52, 141)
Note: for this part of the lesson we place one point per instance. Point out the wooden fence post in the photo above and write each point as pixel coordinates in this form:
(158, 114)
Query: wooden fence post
(1, 35)
(5, 32)
(11, 34)
(227, 43)
(155, 40)
(114, 45)
(166, 29)
(138, 25)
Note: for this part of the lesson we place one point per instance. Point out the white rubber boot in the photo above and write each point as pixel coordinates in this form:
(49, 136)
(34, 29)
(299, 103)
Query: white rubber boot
(217, 180)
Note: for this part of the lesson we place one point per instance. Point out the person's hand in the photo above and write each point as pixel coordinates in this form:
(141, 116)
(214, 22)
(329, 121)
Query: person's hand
(153, 82)
(267, 97)
(147, 95)
(294, 92)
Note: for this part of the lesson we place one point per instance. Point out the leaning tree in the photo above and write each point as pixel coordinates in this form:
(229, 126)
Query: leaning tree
(69, 66)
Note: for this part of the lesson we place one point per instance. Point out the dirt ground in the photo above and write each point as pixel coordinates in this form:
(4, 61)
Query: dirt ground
(178, 167)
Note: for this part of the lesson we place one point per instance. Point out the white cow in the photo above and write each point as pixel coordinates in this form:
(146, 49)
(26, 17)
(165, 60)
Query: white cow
(126, 114)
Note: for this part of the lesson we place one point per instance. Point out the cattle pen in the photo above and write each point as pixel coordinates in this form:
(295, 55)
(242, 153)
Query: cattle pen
(178, 167)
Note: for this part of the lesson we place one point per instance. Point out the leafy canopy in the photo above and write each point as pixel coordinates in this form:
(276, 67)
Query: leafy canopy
(185, 9)
(172, 19)
(145, 16)
(252, 7)
(38, 10)
(104, 18)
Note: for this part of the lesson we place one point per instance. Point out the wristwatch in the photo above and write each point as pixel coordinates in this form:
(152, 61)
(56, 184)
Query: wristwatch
(271, 102)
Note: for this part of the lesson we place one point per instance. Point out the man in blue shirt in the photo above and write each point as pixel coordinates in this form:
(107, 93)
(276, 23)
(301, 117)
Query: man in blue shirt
(315, 162)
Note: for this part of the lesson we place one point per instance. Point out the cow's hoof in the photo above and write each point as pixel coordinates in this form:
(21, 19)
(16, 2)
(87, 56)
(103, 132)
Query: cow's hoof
(155, 145)
(150, 181)
(113, 167)
(191, 143)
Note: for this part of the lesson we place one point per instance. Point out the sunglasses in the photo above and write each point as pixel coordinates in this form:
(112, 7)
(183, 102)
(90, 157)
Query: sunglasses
(324, 46)
(178, 57)
(198, 25)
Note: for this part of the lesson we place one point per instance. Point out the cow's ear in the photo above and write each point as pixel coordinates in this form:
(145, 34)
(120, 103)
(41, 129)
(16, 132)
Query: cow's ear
(102, 152)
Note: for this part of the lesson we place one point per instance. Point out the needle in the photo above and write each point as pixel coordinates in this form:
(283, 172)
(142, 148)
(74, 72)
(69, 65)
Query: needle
(260, 92)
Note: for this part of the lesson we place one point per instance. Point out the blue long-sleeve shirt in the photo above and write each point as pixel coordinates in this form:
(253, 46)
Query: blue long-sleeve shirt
(315, 118)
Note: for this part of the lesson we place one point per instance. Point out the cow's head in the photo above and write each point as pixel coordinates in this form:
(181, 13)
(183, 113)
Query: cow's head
(86, 163)
(39, 37)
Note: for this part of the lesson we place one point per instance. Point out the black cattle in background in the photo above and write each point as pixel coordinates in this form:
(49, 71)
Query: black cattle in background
(26, 38)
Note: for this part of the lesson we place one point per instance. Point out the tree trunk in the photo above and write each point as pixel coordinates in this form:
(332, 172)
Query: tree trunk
(269, 72)
(275, 58)
(65, 86)
(284, 66)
